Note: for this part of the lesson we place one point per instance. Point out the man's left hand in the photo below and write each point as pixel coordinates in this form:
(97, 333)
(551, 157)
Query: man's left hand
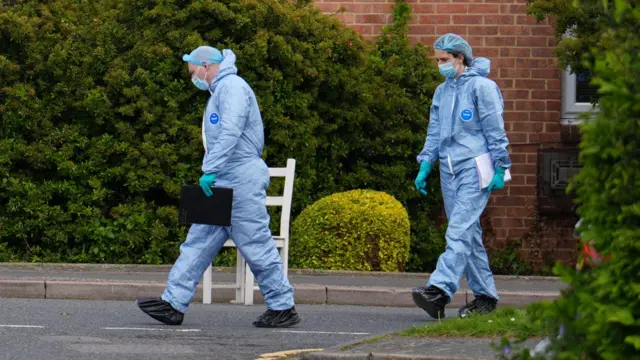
(497, 183)
(206, 183)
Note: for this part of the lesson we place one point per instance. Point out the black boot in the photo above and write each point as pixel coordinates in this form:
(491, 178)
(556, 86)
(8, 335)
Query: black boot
(432, 300)
(277, 319)
(482, 304)
(161, 311)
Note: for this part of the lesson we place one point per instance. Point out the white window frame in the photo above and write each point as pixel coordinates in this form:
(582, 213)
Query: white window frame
(571, 109)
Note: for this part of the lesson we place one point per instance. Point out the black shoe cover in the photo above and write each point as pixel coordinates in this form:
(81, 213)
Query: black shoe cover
(432, 300)
(480, 305)
(278, 319)
(161, 311)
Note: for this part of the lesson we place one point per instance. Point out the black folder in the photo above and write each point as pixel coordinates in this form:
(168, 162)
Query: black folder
(198, 208)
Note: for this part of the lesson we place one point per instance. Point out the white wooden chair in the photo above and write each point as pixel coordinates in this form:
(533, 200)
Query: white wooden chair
(244, 284)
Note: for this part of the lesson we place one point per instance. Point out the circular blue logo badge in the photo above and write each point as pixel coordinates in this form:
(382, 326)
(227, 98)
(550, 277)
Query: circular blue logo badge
(466, 115)
(214, 118)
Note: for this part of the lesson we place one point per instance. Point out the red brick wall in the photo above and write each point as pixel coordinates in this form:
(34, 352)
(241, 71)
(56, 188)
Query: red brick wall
(520, 50)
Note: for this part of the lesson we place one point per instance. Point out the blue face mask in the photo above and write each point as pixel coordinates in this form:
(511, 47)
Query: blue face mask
(447, 70)
(199, 83)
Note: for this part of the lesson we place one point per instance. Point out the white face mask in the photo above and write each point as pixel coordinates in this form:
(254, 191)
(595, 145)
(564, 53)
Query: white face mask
(449, 69)
(201, 84)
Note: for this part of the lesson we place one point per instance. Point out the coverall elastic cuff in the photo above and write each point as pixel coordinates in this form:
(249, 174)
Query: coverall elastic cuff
(173, 304)
(424, 158)
(209, 170)
(501, 164)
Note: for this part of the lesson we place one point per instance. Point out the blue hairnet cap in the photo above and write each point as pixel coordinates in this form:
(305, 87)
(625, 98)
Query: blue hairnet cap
(454, 44)
(204, 55)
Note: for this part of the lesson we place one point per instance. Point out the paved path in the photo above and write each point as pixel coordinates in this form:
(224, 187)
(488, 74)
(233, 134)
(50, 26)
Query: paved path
(159, 274)
(414, 348)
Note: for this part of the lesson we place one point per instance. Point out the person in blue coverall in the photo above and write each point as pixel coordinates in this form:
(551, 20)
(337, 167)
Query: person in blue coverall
(233, 138)
(465, 122)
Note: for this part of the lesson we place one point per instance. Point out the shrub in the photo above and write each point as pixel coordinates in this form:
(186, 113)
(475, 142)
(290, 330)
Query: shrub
(227, 257)
(100, 123)
(385, 156)
(507, 260)
(599, 318)
(427, 244)
(354, 230)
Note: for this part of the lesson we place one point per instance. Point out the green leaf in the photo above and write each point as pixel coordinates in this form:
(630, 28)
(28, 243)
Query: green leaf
(633, 340)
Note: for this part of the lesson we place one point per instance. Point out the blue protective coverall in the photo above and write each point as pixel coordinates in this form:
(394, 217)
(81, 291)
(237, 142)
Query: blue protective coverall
(233, 138)
(465, 122)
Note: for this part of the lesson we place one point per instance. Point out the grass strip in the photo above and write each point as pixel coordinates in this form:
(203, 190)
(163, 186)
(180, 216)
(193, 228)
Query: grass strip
(504, 322)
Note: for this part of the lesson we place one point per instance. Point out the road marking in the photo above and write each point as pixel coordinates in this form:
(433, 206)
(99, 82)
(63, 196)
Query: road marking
(22, 326)
(132, 349)
(322, 332)
(287, 353)
(151, 329)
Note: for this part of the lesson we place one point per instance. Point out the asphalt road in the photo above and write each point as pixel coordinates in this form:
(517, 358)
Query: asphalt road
(73, 330)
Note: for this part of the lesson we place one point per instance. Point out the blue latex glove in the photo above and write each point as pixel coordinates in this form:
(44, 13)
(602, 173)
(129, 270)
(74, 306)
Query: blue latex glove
(497, 183)
(421, 179)
(206, 182)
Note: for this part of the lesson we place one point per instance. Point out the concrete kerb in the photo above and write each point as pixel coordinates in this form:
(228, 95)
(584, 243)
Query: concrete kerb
(39, 285)
(24, 289)
(304, 293)
(72, 290)
(386, 296)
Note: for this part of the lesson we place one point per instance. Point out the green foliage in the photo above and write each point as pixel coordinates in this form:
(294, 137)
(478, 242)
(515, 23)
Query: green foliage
(6, 254)
(397, 133)
(101, 125)
(355, 230)
(575, 21)
(226, 257)
(600, 315)
(507, 260)
(427, 244)
(509, 322)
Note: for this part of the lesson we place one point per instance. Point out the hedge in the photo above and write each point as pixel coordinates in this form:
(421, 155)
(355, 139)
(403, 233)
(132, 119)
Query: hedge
(599, 316)
(100, 123)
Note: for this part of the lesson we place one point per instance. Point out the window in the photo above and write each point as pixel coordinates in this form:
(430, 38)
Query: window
(578, 96)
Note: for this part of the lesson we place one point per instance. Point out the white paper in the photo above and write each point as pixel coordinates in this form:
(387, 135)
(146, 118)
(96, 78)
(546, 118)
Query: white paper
(486, 170)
